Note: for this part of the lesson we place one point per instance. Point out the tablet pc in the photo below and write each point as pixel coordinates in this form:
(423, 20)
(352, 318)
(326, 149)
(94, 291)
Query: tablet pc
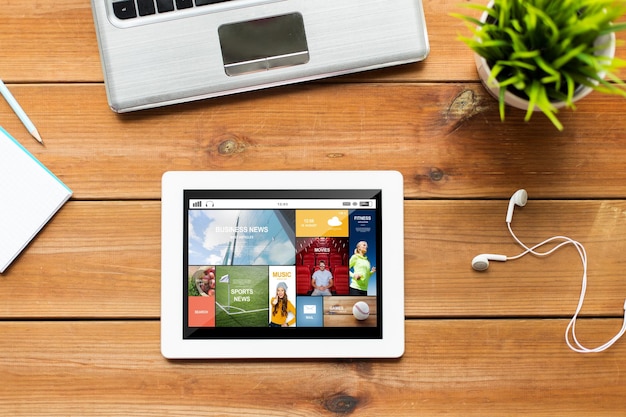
(282, 264)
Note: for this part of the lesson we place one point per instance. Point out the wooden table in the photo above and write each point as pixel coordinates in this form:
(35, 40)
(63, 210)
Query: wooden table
(79, 310)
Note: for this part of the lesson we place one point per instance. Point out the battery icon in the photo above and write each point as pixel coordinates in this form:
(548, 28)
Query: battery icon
(364, 204)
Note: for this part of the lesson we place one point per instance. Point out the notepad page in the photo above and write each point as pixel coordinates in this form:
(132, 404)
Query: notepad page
(29, 196)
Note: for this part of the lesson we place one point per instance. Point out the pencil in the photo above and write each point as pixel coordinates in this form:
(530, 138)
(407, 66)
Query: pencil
(19, 112)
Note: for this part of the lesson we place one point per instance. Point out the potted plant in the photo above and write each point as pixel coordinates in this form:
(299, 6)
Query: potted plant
(542, 55)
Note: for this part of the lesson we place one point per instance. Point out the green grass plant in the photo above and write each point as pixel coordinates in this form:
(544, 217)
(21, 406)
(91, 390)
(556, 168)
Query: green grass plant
(543, 50)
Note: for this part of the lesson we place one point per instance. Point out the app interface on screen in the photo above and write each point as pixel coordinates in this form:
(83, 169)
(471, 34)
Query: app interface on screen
(304, 264)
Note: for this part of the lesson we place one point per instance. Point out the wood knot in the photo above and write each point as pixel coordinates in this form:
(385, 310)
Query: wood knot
(341, 404)
(436, 174)
(463, 106)
(230, 145)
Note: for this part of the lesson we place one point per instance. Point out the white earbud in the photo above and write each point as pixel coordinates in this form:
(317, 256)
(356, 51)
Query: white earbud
(481, 262)
(518, 199)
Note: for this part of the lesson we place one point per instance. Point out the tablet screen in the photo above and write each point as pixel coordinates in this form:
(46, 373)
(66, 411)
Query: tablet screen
(282, 264)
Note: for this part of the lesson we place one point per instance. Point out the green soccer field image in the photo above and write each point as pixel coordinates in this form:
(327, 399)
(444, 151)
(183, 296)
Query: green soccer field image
(242, 296)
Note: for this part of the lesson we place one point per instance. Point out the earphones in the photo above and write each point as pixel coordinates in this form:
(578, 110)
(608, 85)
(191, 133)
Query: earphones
(481, 263)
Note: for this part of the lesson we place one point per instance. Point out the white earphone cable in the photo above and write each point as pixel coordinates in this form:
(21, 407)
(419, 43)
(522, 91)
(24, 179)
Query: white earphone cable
(570, 332)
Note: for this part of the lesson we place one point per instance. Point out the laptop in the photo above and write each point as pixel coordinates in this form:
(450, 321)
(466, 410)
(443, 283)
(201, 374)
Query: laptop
(282, 264)
(161, 52)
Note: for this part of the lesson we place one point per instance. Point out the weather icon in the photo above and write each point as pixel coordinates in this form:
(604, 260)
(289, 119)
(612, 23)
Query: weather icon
(334, 222)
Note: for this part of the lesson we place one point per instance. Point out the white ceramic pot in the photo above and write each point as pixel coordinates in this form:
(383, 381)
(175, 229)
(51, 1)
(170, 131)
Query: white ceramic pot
(484, 71)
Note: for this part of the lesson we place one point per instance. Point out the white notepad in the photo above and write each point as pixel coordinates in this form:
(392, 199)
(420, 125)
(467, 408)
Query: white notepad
(29, 196)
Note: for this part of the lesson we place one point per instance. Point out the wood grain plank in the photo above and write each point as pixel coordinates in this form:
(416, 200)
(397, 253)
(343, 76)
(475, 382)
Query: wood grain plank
(48, 42)
(447, 235)
(91, 260)
(447, 140)
(60, 45)
(102, 260)
(474, 367)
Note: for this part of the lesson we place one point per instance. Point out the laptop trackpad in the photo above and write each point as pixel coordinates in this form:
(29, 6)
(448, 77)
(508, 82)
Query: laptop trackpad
(263, 44)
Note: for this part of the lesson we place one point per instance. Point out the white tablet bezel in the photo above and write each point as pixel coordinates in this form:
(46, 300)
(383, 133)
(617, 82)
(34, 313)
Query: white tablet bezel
(174, 346)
